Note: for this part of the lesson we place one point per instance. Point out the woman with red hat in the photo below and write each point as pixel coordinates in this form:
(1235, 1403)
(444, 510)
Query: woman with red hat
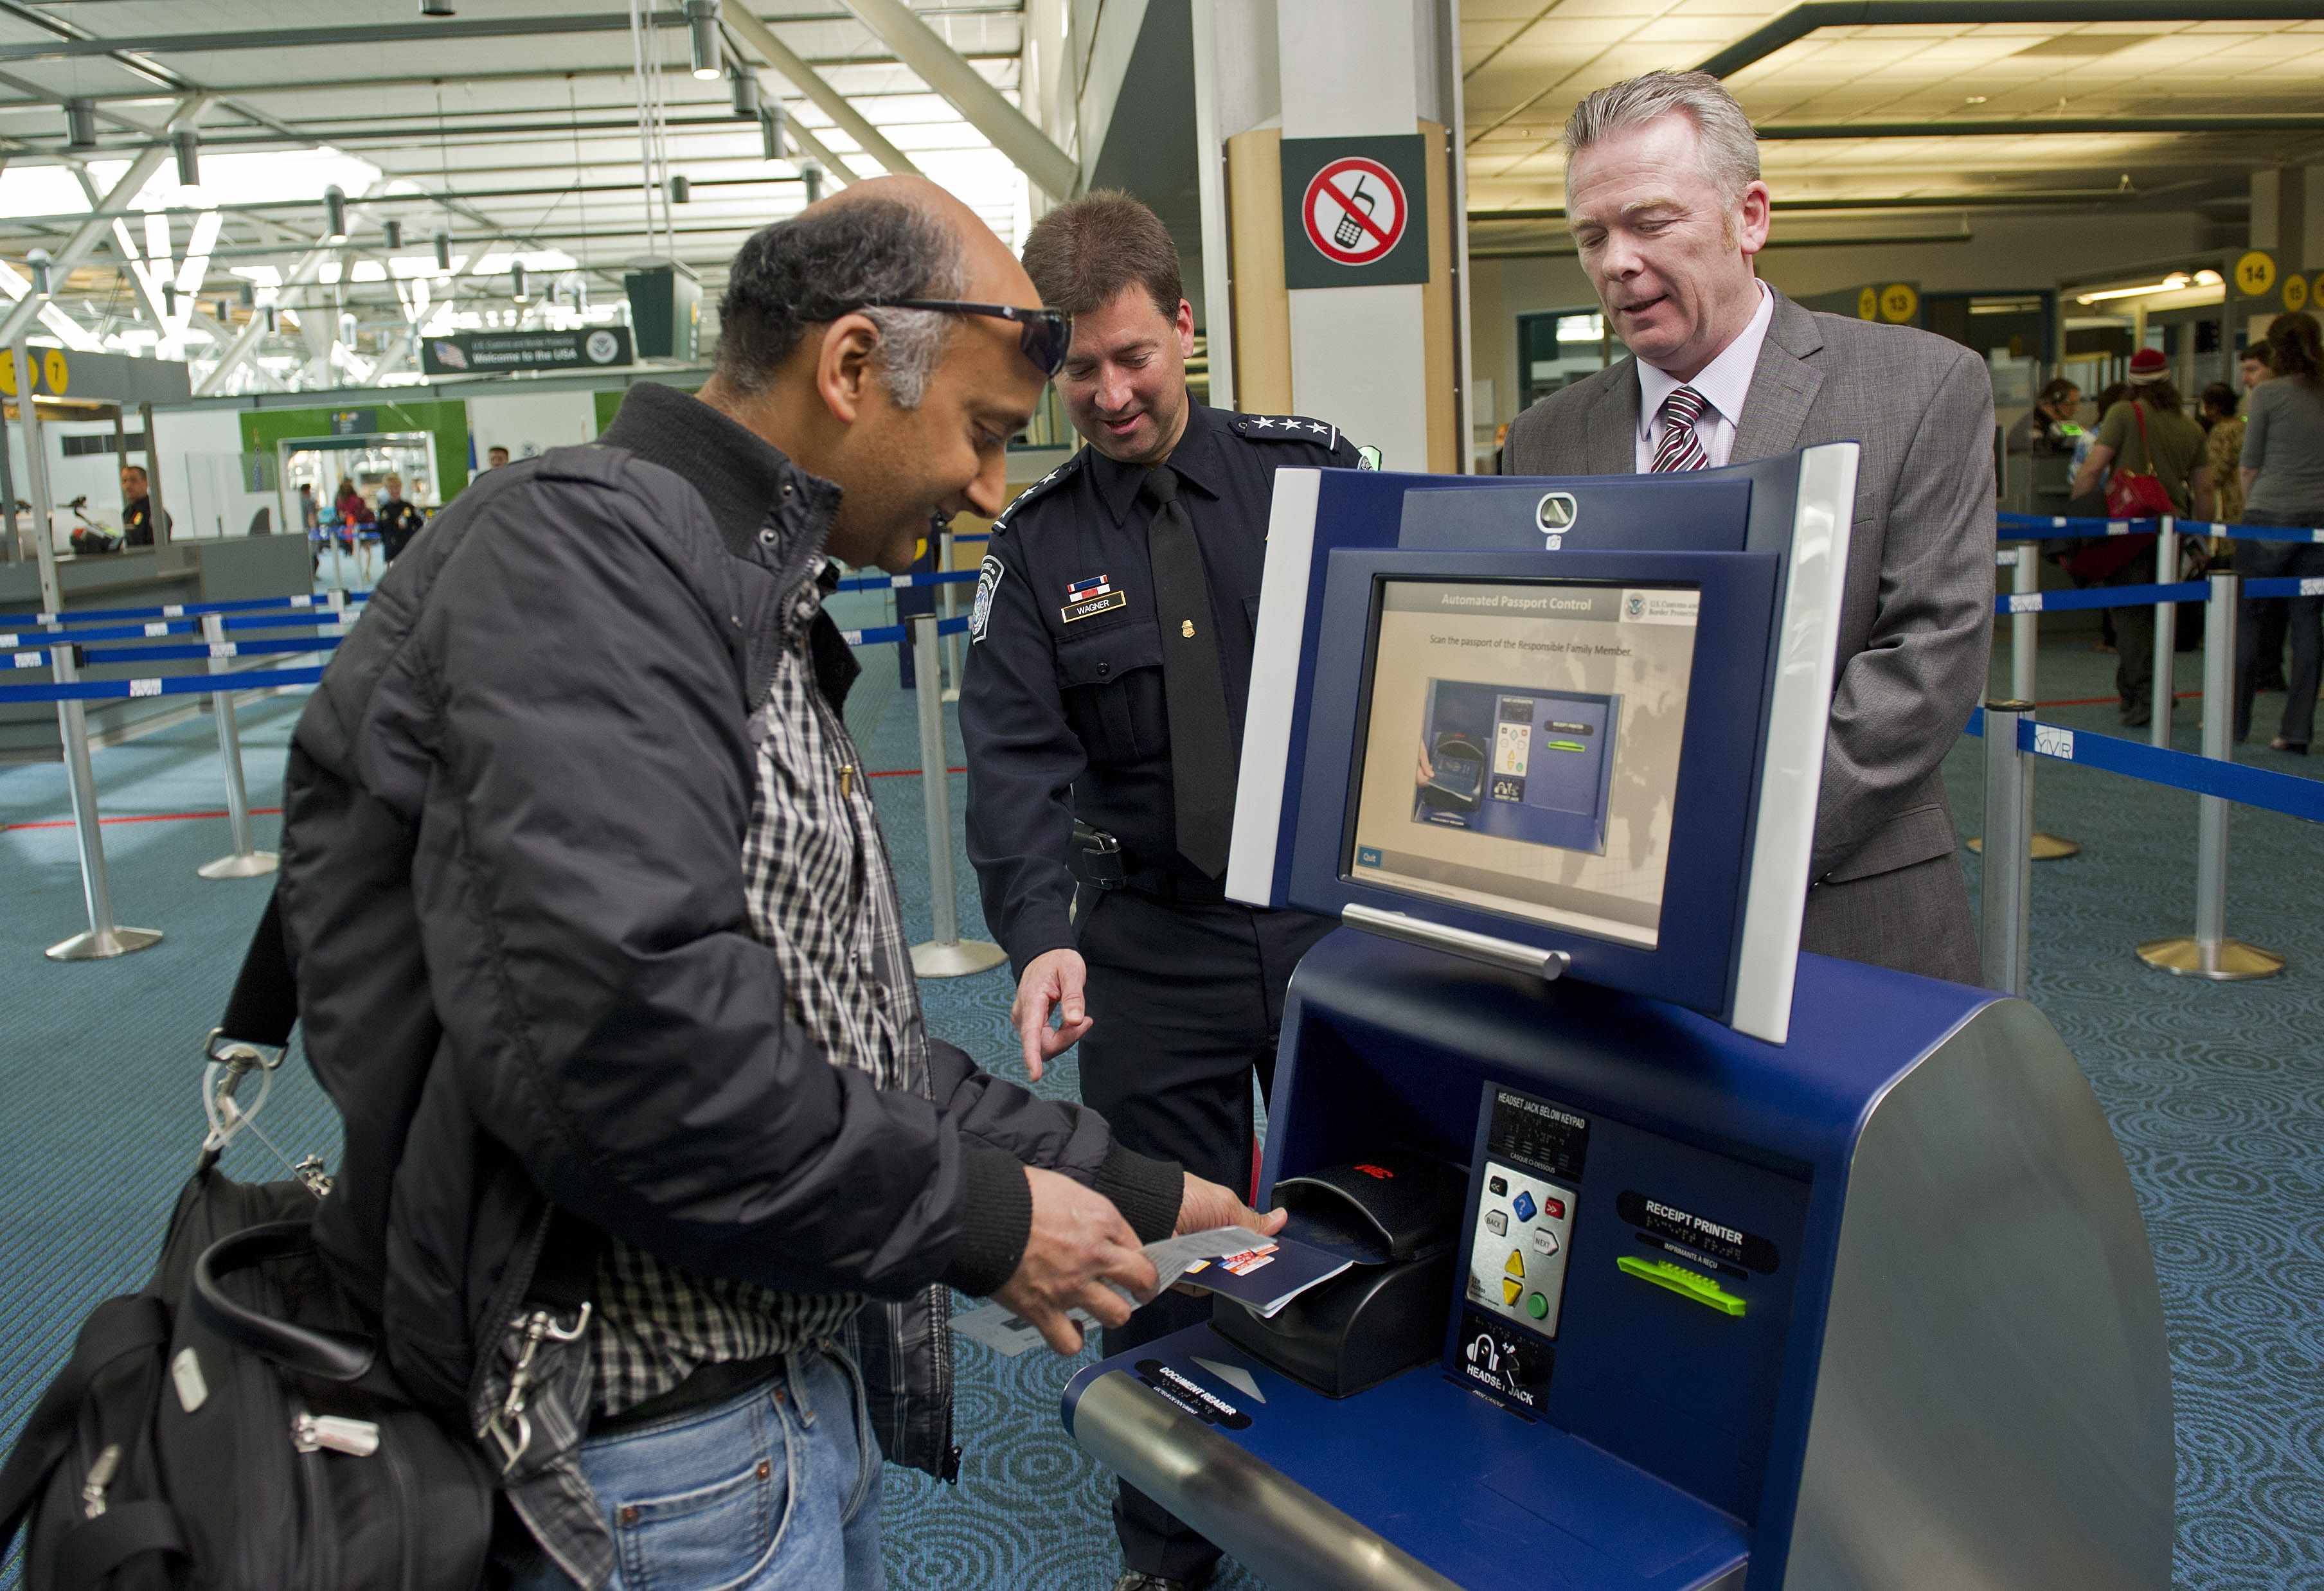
(2156, 454)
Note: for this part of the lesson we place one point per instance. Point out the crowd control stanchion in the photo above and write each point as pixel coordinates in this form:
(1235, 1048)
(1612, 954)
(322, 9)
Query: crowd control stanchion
(2024, 637)
(104, 938)
(2006, 892)
(2209, 952)
(948, 599)
(247, 862)
(2163, 690)
(947, 955)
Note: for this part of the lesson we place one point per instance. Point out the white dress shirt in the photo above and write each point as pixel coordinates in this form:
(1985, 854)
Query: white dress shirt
(1724, 383)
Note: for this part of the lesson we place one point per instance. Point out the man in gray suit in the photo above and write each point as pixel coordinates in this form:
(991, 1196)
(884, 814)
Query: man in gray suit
(1664, 197)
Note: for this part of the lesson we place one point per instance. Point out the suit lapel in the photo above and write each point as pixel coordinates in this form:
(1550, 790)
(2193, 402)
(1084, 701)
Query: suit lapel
(1784, 385)
(1611, 445)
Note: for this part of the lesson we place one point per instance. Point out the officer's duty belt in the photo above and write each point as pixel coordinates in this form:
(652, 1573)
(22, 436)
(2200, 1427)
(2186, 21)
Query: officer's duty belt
(1100, 862)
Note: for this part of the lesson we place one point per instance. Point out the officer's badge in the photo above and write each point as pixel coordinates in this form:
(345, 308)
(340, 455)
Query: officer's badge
(1095, 595)
(1368, 458)
(988, 581)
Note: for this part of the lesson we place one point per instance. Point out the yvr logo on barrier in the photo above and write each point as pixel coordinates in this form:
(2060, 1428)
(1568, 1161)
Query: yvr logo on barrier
(2049, 741)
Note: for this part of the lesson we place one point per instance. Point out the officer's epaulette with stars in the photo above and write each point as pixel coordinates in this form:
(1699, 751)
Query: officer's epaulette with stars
(1285, 428)
(1047, 481)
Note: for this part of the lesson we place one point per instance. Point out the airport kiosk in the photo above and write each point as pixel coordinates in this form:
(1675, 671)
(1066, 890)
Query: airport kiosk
(1688, 1261)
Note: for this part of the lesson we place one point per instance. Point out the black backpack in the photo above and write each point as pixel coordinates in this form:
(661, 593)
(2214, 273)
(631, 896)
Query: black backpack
(233, 1426)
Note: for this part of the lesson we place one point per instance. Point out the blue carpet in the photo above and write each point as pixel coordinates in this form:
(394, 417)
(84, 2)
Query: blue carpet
(2214, 1091)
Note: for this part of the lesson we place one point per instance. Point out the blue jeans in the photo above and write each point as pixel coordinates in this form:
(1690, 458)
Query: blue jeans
(776, 1490)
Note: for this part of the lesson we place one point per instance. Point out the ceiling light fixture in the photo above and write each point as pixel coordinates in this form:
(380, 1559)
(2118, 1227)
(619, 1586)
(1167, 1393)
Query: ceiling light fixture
(394, 230)
(2169, 284)
(188, 150)
(746, 92)
(444, 250)
(80, 123)
(770, 130)
(436, 7)
(680, 190)
(43, 283)
(335, 208)
(811, 175)
(516, 281)
(702, 33)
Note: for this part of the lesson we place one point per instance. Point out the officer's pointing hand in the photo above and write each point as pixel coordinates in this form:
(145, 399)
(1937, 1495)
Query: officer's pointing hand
(1077, 1254)
(1053, 979)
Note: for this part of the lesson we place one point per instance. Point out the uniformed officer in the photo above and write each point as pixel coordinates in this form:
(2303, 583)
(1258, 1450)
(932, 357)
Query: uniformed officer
(137, 509)
(399, 520)
(1102, 707)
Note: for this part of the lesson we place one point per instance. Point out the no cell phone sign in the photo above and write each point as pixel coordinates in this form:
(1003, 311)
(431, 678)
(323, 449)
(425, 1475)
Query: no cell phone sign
(1355, 211)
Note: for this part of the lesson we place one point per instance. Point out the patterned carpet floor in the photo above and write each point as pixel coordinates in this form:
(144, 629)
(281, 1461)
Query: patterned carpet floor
(2216, 1093)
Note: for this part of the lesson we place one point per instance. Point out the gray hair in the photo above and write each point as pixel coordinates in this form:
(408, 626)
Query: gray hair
(828, 262)
(1729, 148)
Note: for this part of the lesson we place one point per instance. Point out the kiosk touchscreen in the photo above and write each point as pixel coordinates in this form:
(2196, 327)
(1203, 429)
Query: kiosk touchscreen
(1693, 1263)
(1520, 723)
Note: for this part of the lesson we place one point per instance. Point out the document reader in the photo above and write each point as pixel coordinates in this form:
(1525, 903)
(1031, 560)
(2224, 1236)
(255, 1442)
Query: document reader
(1708, 1263)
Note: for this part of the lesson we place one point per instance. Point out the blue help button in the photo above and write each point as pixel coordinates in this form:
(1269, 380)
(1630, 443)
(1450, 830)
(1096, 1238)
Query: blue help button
(1368, 856)
(1525, 1207)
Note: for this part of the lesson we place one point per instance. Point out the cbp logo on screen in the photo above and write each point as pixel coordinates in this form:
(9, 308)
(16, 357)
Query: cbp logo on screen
(1555, 514)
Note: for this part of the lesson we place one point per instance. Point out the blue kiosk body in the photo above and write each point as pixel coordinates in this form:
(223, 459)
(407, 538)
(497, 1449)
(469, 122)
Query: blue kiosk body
(1750, 1268)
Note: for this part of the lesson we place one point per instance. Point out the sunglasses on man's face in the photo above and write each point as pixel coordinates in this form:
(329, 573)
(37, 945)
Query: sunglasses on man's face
(1043, 334)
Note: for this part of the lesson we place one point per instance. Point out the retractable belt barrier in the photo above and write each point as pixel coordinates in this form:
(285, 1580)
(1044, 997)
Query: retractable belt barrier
(2014, 741)
(2043, 526)
(276, 614)
(899, 582)
(2289, 794)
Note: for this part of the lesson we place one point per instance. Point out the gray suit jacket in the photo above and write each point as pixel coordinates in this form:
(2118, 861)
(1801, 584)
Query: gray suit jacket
(1915, 631)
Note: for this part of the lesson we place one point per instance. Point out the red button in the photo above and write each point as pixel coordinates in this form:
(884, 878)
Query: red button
(1555, 1208)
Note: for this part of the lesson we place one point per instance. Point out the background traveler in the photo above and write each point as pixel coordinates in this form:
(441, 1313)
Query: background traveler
(2282, 477)
(2147, 433)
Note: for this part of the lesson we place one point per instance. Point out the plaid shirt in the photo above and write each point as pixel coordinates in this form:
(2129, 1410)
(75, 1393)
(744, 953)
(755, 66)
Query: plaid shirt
(823, 896)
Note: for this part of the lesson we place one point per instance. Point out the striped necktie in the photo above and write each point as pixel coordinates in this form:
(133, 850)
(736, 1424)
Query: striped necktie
(1681, 448)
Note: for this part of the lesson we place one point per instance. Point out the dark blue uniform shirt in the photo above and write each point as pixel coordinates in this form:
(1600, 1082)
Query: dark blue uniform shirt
(1061, 704)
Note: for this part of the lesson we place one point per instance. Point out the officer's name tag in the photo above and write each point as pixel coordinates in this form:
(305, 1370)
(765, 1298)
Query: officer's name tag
(1098, 604)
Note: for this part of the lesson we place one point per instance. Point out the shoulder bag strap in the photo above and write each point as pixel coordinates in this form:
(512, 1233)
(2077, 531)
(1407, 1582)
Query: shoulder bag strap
(264, 1005)
(2145, 443)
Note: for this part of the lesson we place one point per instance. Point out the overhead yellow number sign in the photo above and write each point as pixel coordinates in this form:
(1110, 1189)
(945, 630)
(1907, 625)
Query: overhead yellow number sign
(2295, 292)
(1898, 303)
(52, 374)
(1868, 304)
(2254, 274)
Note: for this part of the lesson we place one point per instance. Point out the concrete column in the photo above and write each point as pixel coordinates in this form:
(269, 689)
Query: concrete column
(1360, 356)
(2280, 212)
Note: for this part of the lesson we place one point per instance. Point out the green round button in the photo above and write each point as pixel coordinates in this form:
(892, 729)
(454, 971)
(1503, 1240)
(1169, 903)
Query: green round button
(1536, 1306)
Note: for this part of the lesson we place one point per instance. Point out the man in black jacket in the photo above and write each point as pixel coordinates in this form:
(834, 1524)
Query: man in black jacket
(599, 953)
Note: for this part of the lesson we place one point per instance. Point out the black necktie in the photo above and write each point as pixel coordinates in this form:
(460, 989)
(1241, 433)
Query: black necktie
(1202, 744)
